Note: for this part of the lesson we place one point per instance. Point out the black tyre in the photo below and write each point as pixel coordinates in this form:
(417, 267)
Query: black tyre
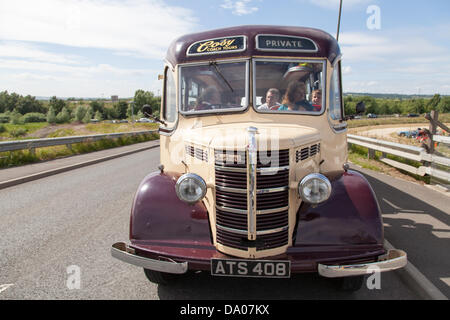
(349, 284)
(161, 278)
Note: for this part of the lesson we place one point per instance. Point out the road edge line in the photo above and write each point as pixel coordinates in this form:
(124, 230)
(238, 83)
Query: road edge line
(44, 174)
(417, 280)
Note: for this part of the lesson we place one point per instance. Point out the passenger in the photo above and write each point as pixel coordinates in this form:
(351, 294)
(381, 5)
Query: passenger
(295, 98)
(208, 99)
(317, 99)
(272, 100)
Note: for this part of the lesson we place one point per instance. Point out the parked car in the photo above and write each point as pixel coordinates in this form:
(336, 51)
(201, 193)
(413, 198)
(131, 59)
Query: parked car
(408, 133)
(244, 191)
(371, 115)
(412, 115)
(145, 120)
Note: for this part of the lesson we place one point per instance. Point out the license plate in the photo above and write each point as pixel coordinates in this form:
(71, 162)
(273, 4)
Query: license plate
(251, 268)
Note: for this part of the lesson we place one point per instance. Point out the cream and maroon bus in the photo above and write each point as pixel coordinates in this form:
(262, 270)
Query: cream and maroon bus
(254, 180)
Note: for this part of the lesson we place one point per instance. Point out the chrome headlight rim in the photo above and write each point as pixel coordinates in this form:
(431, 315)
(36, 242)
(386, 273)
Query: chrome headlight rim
(316, 176)
(195, 177)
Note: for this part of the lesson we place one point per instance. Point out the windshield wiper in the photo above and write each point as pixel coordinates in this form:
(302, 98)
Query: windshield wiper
(214, 64)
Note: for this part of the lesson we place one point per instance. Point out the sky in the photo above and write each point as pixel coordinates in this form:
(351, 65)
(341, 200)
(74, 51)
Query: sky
(99, 48)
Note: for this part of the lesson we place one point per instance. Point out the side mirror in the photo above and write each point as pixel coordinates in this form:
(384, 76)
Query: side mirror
(147, 110)
(360, 107)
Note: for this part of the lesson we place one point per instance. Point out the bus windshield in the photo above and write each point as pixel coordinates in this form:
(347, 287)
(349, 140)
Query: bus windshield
(294, 86)
(214, 87)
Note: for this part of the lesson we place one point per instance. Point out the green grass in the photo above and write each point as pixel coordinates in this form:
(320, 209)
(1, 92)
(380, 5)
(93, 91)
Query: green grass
(12, 130)
(62, 133)
(120, 127)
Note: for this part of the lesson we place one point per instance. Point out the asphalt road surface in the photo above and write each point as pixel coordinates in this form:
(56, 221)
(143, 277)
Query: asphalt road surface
(62, 226)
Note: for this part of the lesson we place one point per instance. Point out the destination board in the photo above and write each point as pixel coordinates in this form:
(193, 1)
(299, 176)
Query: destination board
(266, 42)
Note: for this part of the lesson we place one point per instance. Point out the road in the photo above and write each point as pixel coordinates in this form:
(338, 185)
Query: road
(71, 219)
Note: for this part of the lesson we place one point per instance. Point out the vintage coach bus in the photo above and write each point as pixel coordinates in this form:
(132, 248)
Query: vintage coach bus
(253, 179)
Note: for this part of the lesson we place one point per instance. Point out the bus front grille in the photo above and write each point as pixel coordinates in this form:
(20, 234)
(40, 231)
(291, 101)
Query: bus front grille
(272, 200)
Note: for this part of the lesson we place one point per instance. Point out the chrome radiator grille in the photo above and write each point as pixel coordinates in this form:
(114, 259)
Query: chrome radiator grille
(272, 200)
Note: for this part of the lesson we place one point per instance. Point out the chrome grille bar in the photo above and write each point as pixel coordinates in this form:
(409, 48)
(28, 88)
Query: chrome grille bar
(252, 161)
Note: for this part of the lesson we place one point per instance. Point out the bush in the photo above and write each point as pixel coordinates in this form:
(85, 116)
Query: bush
(4, 118)
(80, 112)
(2, 128)
(63, 116)
(17, 132)
(51, 115)
(16, 118)
(34, 117)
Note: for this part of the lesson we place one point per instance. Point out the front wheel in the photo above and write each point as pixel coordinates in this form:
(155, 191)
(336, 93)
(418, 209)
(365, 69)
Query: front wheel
(161, 278)
(349, 284)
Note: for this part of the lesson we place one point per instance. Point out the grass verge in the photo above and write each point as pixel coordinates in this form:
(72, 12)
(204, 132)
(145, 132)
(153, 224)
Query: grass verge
(21, 157)
(358, 156)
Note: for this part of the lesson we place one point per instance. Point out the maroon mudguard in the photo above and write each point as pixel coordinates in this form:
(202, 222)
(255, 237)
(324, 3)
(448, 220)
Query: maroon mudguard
(158, 215)
(351, 216)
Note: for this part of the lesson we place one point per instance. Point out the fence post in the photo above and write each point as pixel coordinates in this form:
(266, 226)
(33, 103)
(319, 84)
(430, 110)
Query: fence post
(371, 153)
(434, 115)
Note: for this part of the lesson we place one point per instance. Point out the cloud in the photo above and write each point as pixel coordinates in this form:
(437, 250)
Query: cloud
(239, 8)
(144, 27)
(33, 52)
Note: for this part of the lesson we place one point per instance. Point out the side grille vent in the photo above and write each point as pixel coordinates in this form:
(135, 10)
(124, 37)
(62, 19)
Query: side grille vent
(307, 152)
(197, 153)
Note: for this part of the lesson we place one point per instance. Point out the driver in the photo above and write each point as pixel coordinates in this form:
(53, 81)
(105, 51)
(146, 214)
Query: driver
(209, 99)
(272, 100)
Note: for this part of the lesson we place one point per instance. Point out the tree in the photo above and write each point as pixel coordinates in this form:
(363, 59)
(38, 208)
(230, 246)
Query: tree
(142, 97)
(80, 112)
(51, 115)
(88, 115)
(97, 106)
(57, 104)
(433, 103)
(98, 116)
(29, 104)
(444, 105)
(120, 109)
(63, 116)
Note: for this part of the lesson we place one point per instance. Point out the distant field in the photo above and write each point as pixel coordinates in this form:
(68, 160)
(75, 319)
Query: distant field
(393, 120)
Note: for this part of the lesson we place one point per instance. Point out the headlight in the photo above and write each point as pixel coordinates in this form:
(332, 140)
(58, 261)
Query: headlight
(314, 188)
(190, 188)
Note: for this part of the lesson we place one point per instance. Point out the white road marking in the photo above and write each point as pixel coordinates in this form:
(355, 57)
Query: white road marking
(401, 209)
(3, 287)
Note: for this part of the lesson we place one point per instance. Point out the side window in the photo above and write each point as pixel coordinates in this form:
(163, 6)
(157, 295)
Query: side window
(170, 102)
(335, 94)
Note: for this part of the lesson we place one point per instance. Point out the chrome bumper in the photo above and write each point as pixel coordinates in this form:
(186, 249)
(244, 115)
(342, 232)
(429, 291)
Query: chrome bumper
(124, 253)
(393, 259)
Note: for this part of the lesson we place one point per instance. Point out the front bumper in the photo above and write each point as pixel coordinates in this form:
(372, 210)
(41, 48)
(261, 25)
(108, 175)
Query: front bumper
(124, 253)
(393, 259)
